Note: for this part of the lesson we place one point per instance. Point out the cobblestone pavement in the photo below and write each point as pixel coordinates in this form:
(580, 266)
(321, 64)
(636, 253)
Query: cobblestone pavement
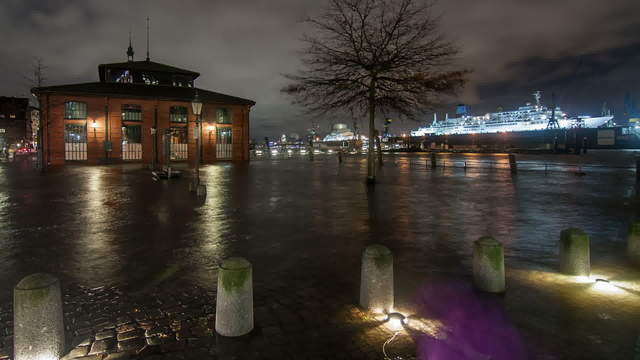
(106, 323)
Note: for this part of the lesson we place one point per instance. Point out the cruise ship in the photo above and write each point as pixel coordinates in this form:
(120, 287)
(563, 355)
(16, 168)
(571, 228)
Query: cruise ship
(527, 118)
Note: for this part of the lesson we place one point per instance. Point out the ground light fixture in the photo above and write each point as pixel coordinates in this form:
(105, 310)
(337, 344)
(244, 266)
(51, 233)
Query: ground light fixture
(600, 284)
(396, 322)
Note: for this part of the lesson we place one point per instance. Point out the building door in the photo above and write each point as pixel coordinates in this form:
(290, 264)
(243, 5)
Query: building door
(75, 142)
(179, 148)
(132, 142)
(224, 143)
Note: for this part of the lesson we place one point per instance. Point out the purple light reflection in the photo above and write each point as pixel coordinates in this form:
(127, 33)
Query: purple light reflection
(474, 327)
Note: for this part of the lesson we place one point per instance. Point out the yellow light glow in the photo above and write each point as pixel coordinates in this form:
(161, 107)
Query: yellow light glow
(211, 127)
(394, 324)
(584, 279)
(606, 287)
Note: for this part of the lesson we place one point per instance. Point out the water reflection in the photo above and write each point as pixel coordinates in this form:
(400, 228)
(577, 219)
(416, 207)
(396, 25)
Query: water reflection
(298, 220)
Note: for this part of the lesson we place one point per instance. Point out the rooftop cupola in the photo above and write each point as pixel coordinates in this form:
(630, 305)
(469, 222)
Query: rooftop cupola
(130, 50)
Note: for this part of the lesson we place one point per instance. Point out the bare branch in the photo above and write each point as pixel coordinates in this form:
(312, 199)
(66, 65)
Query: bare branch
(382, 54)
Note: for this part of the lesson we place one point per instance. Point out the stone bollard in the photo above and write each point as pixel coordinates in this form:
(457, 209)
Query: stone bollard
(434, 164)
(376, 279)
(633, 242)
(234, 304)
(574, 252)
(488, 265)
(513, 165)
(38, 330)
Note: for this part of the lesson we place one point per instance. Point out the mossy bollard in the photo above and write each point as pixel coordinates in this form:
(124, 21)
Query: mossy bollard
(633, 242)
(488, 265)
(376, 281)
(234, 304)
(38, 330)
(513, 164)
(574, 252)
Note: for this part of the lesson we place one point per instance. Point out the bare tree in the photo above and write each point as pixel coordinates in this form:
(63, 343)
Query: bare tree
(375, 56)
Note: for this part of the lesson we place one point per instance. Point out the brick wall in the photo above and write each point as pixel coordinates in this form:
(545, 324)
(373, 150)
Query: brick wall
(107, 112)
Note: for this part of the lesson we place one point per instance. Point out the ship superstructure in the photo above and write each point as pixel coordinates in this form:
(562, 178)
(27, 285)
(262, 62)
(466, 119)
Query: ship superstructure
(530, 117)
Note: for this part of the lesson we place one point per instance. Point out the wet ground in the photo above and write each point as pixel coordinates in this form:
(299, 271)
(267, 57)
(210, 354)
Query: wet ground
(138, 255)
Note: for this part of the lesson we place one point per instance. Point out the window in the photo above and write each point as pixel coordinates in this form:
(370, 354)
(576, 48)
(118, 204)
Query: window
(182, 81)
(125, 77)
(12, 116)
(149, 79)
(131, 112)
(132, 134)
(75, 110)
(178, 114)
(223, 116)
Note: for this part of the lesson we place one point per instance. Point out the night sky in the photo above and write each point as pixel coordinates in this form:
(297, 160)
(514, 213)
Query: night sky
(586, 51)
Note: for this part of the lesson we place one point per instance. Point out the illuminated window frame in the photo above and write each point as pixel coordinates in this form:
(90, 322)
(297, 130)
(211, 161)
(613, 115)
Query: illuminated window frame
(75, 110)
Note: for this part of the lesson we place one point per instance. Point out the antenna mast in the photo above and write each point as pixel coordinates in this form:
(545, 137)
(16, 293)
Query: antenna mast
(147, 38)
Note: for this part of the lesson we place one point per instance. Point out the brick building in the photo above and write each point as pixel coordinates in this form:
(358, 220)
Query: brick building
(14, 113)
(140, 111)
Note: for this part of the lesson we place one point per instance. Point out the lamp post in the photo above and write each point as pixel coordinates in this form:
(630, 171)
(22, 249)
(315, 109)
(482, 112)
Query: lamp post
(196, 106)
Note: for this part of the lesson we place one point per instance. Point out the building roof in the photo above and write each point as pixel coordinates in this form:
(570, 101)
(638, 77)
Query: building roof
(160, 92)
(147, 65)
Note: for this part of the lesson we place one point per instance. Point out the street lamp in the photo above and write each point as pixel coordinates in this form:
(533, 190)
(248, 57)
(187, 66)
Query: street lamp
(196, 106)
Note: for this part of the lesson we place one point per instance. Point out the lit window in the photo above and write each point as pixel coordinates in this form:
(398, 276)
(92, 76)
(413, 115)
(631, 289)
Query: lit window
(178, 114)
(149, 79)
(75, 110)
(131, 112)
(125, 77)
(223, 116)
(12, 116)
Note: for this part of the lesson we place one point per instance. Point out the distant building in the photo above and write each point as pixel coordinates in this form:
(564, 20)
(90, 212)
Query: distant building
(14, 113)
(140, 111)
(340, 132)
(631, 111)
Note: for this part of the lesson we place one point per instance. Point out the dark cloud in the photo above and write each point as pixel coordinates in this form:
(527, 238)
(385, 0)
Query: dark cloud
(243, 47)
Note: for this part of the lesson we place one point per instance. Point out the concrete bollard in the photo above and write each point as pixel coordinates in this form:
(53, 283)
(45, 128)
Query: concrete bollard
(574, 252)
(376, 279)
(434, 164)
(234, 304)
(37, 318)
(488, 265)
(513, 164)
(633, 242)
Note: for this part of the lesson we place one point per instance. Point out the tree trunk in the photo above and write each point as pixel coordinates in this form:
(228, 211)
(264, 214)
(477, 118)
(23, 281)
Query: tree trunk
(379, 147)
(371, 160)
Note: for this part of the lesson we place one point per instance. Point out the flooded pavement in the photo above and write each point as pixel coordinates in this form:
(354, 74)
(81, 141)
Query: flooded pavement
(124, 245)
